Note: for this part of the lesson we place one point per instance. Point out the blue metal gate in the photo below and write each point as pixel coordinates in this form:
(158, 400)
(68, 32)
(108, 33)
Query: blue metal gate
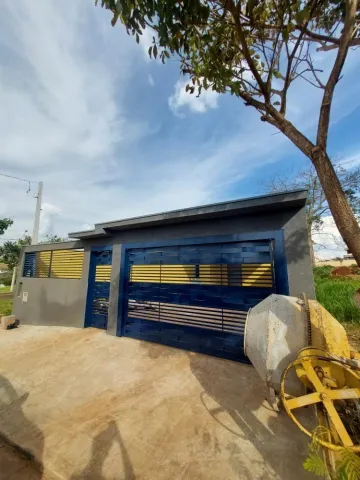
(97, 303)
(196, 297)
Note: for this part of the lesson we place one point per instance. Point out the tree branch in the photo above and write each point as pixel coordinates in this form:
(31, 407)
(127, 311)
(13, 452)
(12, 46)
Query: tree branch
(345, 40)
(245, 49)
(326, 39)
(249, 100)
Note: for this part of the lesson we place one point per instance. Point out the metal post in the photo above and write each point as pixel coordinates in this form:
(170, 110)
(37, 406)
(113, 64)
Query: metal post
(35, 235)
(13, 279)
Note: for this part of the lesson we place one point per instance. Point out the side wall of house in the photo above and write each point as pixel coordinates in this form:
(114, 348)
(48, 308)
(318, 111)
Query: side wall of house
(63, 302)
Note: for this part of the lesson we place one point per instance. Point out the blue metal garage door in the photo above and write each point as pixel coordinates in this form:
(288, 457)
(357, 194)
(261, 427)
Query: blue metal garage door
(196, 297)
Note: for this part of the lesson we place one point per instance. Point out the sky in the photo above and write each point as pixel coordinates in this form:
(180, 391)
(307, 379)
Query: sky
(112, 134)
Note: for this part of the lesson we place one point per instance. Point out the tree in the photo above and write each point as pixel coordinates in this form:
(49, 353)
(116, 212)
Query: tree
(11, 250)
(53, 239)
(317, 206)
(5, 223)
(257, 50)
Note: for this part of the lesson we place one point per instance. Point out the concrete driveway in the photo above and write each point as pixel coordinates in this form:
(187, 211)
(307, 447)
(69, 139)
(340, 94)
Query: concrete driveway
(91, 406)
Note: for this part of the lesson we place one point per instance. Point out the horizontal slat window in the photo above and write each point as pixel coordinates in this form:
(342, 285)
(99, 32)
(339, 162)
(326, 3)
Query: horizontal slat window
(241, 275)
(103, 273)
(67, 264)
(54, 264)
(43, 260)
(231, 321)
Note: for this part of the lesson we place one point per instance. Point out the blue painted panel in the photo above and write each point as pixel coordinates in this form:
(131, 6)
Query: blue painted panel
(188, 338)
(205, 340)
(214, 296)
(29, 264)
(260, 247)
(97, 303)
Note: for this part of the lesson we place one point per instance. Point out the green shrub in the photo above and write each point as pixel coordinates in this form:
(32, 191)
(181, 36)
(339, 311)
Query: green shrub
(5, 307)
(5, 278)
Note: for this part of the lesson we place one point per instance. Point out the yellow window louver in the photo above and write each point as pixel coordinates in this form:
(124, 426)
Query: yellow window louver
(241, 275)
(67, 264)
(59, 263)
(103, 273)
(43, 260)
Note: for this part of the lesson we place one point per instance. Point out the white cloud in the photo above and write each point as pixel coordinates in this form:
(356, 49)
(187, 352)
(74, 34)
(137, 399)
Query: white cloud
(180, 99)
(151, 80)
(61, 99)
(70, 116)
(351, 159)
(48, 219)
(329, 243)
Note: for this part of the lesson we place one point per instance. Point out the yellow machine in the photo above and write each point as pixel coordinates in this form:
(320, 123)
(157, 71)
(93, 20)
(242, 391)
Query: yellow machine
(331, 372)
(323, 372)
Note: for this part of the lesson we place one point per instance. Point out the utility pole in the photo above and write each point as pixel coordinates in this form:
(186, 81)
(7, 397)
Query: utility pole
(35, 235)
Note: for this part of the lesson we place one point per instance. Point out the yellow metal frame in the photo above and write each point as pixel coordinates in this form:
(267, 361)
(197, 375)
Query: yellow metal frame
(322, 395)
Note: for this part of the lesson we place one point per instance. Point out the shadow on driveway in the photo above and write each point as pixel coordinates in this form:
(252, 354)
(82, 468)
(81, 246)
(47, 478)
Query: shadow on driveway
(99, 451)
(14, 462)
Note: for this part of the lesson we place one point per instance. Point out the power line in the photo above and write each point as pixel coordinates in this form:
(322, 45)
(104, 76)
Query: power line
(17, 178)
(35, 235)
(29, 182)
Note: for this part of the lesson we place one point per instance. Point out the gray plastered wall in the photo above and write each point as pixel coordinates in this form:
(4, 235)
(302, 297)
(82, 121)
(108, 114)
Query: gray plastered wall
(52, 301)
(62, 302)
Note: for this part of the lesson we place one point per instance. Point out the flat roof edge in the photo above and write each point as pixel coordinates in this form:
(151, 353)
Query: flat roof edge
(278, 199)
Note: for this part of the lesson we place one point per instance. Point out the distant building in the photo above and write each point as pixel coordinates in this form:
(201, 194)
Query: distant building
(348, 255)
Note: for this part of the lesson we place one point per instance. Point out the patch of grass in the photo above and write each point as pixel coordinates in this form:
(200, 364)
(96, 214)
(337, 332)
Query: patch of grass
(5, 307)
(5, 289)
(323, 271)
(337, 296)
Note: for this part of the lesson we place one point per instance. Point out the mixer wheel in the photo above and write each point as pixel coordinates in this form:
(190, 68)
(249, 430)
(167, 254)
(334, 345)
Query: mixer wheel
(323, 394)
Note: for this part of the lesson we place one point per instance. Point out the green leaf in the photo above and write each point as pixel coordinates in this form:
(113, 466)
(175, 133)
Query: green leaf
(149, 51)
(277, 103)
(167, 54)
(114, 19)
(155, 51)
(137, 38)
(315, 464)
(250, 7)
(348, 468)
(302, 16)
(285, 34)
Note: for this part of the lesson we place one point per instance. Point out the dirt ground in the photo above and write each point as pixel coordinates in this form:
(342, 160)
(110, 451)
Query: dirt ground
(91, 406)
(15, 466)
(353, 333)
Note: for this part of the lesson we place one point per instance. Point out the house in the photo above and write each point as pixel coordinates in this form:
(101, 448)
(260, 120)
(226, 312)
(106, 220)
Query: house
(185, 278)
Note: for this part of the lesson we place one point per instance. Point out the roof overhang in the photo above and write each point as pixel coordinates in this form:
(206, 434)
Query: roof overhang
(254, 205)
